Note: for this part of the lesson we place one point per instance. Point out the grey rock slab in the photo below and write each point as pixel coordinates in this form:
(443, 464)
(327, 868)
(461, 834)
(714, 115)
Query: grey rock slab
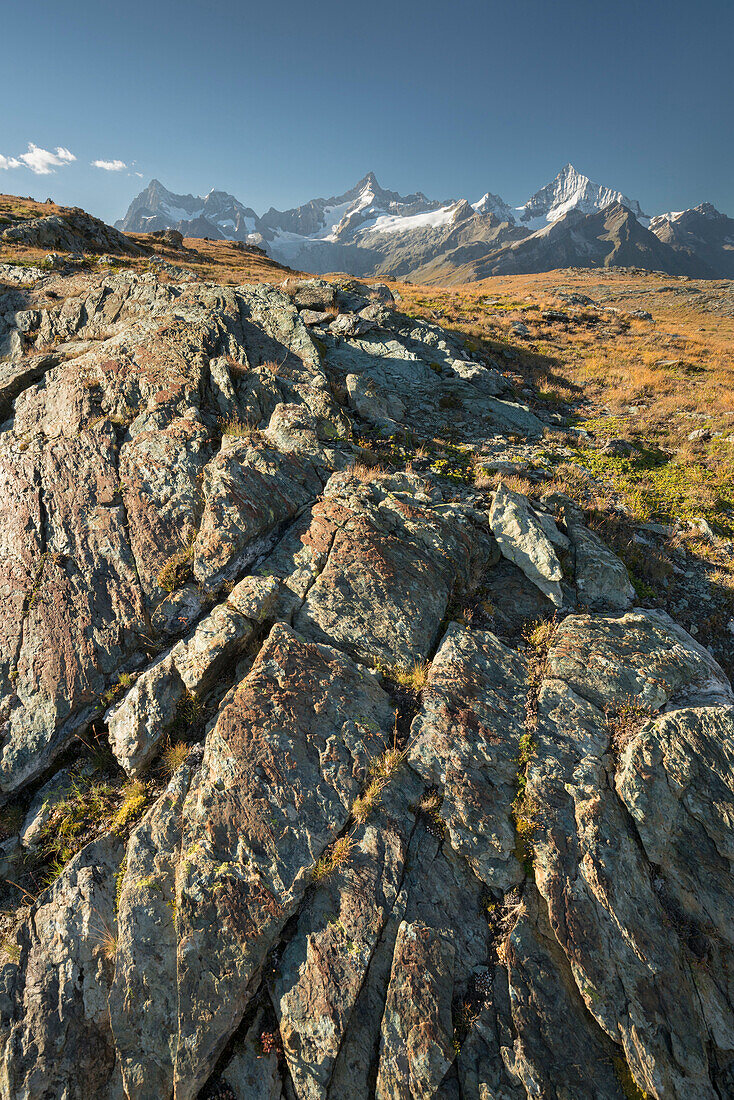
(322, 970)
(626, 959)
(523, 540)
(178, 611)
(138, 723)
(249, 490)
(373, 404)
(57, 790)
(251, 1073)
(675, 778)
(286, 758)
(641, 655)
(574, 1061)
(416, 1045)
(55, 1037)
(602, 580)
(217, 641)
(465, 740)
(393, 562)
(143, 997)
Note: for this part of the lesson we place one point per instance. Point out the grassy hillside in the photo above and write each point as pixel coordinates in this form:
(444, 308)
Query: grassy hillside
(663, 390)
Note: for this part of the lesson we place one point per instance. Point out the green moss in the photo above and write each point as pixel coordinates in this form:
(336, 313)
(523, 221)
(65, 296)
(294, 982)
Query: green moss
(656, 486)
(630, 1088)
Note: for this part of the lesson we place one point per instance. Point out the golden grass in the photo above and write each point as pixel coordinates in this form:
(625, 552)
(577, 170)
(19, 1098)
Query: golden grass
(174, 755)
(334, 858)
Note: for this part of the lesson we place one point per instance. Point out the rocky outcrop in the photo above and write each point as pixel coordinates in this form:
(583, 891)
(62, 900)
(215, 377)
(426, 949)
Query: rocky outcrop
(421, 805)
(74, 231)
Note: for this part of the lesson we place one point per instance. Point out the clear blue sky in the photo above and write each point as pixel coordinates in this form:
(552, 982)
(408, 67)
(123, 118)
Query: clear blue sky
(280, 102)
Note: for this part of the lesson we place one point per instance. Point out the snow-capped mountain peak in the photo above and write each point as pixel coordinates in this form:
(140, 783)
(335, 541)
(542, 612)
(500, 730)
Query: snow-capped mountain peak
(571, 190)
(493, 204)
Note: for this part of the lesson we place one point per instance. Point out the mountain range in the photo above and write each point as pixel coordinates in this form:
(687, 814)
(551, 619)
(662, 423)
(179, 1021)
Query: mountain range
(368, 230)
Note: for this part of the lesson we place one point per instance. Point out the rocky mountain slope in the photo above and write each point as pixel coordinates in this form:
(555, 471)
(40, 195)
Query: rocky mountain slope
(612, 237)
(701, 234)
(350, 781)
(371, 231)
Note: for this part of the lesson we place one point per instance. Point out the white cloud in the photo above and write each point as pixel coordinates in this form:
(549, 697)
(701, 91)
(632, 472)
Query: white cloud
(109, 165)
(43, 161)
(9, 162)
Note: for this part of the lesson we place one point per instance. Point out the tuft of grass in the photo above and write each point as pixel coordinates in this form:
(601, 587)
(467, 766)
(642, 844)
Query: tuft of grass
(429, 808)
(234, 428)
(108, 943)
(11, 819)
(361, 471)
(367, 802)
(624, 722)
(178, 570)
(412, 677)
(174, 755)
(525, 806)
(539, 634)
(334, 858)
(385, 765)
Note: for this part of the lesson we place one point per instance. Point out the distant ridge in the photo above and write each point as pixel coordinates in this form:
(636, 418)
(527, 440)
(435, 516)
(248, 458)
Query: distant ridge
(369, 230)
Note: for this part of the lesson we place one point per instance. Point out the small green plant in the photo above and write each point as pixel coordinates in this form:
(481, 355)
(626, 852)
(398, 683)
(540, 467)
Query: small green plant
(429, 808)
(368, 801)
(118, 883)
(134, 801)
(11, 819)
(413, 677)
(10, 948)
(525, 806)
(234, 428)
(630, 1088)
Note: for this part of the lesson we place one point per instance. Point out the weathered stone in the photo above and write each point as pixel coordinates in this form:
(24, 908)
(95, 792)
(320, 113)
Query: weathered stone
(55, 1037)
(252, 1073)
(372, 404)
(248, 491)
(466, 742)
(522, 539)
(254, 597)
(416, 1048)
(393, 562)
(217, 641)
(144, 716)
(176, 613)
(322, 970)
(310, 293)
(602, 580)
(315, 317)
(50, 795)
(641, 655)
(143, 997)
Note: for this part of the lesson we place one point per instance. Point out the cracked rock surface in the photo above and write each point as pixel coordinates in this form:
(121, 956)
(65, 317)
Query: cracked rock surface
(376, 844)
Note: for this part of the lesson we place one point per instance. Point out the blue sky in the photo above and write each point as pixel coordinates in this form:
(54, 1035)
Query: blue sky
(282, 102)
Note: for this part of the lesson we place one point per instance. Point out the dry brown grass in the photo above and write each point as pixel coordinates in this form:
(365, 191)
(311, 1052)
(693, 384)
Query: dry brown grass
(336, 857)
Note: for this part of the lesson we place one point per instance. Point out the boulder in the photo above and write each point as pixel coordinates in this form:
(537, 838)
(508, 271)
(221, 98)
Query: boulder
(523, 540)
